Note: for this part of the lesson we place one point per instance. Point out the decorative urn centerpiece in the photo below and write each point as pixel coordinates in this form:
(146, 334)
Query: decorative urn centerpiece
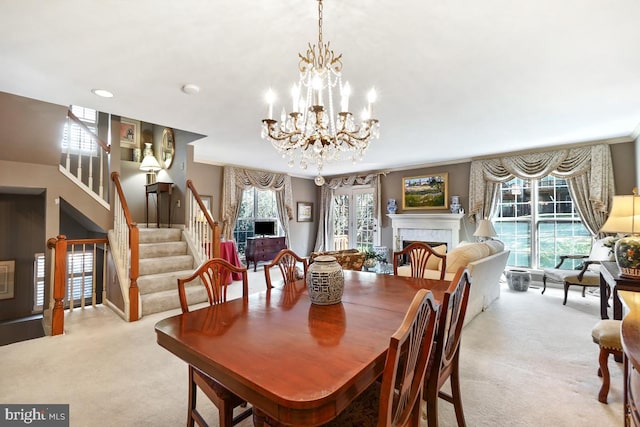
(627, 253)
(325, 281)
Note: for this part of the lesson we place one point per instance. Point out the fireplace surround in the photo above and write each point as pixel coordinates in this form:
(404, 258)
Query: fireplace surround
(445, 227)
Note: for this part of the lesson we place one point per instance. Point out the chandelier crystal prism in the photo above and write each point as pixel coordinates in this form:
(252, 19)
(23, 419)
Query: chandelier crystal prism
(312, 133)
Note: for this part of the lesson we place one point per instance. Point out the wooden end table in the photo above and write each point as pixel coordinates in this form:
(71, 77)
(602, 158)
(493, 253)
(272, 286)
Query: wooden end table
(610, 275)
(158, 188)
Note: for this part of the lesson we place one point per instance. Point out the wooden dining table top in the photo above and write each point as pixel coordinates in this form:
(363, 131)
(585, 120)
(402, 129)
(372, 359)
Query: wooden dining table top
(298, 362)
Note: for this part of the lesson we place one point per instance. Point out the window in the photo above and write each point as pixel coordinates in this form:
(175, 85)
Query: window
(354, 225)
(80, 142)
(79, 270)
(256, 205)
(538, 222)
(38, 283)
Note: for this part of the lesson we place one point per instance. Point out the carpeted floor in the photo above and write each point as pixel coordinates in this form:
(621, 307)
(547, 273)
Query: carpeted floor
(527, 361)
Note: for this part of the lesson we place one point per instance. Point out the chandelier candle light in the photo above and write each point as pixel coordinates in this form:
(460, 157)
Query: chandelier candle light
(312, 132)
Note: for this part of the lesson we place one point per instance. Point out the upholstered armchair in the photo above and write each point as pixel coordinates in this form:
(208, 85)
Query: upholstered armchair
(349, 259)
(587, 276)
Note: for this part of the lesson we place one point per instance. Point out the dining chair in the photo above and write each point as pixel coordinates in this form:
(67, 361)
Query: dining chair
(214, 275)
(287, 260)
(446, 355)
(396, 399)
(421, 257)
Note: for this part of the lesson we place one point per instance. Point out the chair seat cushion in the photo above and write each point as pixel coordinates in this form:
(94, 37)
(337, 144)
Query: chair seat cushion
(571, 276)
(606, 334)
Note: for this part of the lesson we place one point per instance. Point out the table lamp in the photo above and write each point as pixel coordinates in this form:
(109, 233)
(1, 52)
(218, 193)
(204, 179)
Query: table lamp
(625, 219)
(150, 164)
(485, 230)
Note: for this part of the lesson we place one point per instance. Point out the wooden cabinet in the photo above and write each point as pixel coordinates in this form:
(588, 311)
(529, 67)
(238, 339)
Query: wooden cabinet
(263, 249)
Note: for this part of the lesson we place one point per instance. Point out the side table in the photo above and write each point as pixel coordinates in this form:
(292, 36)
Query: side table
(158, 188)
(610, 277)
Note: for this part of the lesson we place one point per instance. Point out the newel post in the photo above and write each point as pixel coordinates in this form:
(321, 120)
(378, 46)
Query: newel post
(59, 244)
(134, 272)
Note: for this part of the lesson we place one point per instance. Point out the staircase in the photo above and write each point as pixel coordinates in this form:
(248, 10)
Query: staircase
(163, 259)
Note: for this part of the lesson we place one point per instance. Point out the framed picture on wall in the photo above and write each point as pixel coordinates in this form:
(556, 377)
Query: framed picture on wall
(426, 191)
(129, 133)
(7, 272)
(305, 212)
(207, 201)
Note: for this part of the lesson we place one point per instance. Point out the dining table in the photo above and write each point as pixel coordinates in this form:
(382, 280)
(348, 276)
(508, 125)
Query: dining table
(297, 362)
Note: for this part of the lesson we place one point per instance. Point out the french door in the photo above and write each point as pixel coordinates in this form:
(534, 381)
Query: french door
(354, 223)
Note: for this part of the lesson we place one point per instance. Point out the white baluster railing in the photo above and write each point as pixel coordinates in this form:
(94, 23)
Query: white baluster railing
(201, 228)
(92, 155)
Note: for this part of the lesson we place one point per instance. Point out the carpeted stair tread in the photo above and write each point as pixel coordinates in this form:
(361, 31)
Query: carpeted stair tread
(162, 249)
(165, 264)
(169, 300)
(151, 235)
(150, 283)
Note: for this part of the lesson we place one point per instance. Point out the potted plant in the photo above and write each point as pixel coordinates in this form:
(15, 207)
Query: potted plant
(371, 258)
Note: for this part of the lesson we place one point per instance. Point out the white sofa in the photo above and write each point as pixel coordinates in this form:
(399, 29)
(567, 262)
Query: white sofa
(485, 261)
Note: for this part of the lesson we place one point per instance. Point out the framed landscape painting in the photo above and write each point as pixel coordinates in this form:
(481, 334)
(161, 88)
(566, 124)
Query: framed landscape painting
(426, 192)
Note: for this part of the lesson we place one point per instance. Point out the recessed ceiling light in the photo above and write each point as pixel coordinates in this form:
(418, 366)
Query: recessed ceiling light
(191, 89)
(102, 92)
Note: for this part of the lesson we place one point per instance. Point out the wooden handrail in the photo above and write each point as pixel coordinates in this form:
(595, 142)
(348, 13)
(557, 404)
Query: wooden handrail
(60, 244)
(213, 224)
(134, 249)
(115, 177)
(77, 241)
(80, 123)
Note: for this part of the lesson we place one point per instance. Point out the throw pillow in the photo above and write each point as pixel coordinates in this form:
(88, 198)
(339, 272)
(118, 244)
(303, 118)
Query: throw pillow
(494, 246)
(433, 262)
(463, 255)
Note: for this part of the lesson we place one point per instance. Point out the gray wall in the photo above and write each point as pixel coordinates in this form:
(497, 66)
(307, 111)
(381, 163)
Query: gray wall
(624, 170)
(22, 227)
(392, 189)
(208, 181)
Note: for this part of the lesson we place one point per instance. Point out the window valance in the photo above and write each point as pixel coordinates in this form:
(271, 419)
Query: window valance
(236, 180)
(588, 171)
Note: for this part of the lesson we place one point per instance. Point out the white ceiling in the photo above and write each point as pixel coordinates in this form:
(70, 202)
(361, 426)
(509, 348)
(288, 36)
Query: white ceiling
(455, 79)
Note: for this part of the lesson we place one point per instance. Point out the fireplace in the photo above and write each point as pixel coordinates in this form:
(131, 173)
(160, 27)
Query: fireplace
(438, 228)
(406, 243)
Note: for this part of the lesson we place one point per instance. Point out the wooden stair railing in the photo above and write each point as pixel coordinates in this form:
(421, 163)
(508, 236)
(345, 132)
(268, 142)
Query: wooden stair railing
(60, 275)
(126, 248)
(203, 229)
(96, 155)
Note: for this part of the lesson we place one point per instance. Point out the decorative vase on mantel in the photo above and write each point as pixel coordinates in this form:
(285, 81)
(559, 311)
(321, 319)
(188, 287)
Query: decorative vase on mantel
(325, 281)
(392, 207)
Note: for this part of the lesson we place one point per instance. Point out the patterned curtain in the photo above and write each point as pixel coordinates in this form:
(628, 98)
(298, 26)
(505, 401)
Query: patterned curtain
(324, 239)
(236, 180)
(588, 171)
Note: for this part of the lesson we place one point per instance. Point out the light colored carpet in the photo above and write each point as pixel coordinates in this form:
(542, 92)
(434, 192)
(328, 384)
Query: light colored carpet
(527, 361)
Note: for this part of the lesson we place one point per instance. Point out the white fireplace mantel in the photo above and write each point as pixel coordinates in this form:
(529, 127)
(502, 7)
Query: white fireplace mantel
(436, 227)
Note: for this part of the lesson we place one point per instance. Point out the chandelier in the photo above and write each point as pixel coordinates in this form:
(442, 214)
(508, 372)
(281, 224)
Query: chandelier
(312, 133)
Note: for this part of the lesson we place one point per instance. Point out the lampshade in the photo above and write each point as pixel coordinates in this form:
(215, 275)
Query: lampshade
(485, 229)
(150, 163)
(624, 217)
